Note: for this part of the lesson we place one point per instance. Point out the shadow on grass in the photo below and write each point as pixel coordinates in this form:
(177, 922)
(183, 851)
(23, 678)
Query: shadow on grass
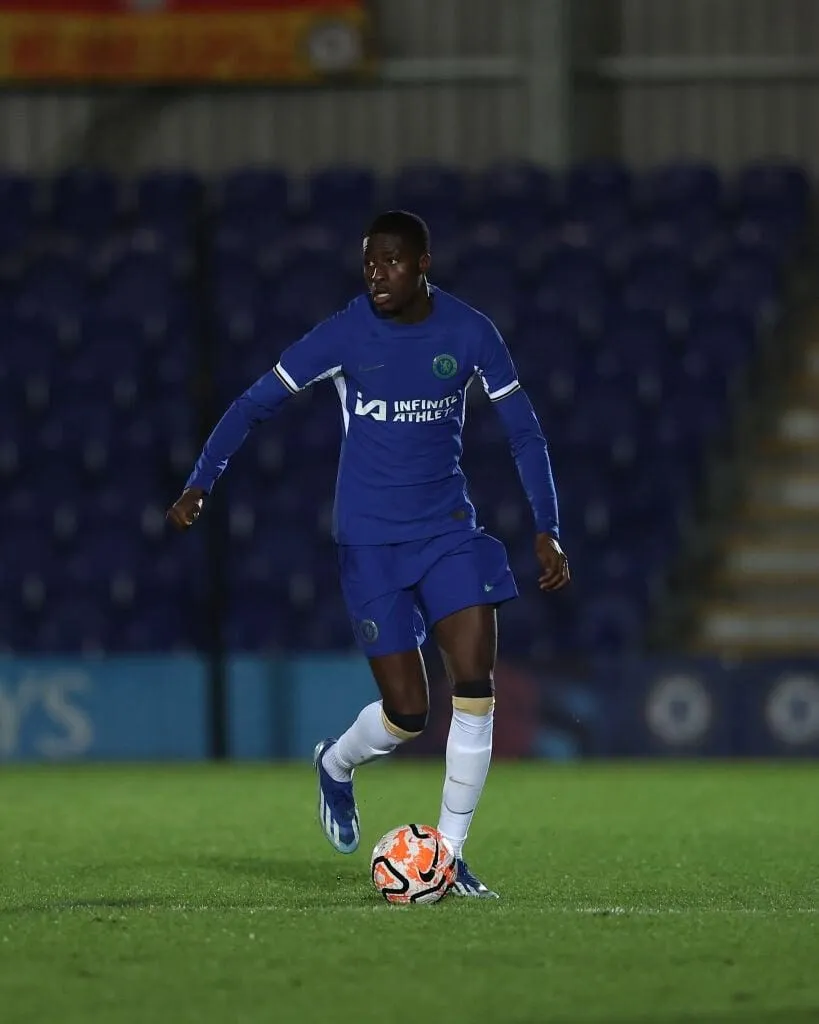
(288, 869)
(288, 883)
(100, 903)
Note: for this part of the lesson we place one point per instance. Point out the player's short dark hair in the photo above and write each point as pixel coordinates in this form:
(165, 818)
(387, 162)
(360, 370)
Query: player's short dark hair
(409, 227)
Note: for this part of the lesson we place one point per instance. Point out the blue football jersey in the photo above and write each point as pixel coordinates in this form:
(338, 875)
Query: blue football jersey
(402, 391)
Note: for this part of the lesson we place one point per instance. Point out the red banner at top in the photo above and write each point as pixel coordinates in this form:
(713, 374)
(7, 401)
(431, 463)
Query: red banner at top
(182, 40)
(169, 6)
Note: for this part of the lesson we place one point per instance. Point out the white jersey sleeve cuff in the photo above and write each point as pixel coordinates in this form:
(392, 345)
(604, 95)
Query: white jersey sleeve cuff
(504, 392)
(286, 379)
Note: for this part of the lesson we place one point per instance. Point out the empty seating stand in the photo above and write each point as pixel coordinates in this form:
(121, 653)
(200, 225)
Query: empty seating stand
(632, 304)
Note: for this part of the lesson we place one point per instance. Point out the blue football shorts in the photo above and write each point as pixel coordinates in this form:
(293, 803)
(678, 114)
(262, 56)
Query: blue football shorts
(395, 592)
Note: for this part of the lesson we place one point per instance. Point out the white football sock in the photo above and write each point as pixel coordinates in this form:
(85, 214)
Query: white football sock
(367, 738)
(468, 753)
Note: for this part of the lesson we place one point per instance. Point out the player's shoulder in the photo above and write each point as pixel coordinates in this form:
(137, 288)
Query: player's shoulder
(357, 307)
(355, 310)
(342, 326)
(460, 314)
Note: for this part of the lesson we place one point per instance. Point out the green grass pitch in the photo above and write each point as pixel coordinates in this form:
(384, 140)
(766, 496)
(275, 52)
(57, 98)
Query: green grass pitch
(630, 893)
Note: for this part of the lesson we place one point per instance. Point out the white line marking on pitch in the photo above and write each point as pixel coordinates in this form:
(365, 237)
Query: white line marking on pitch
(663, 911)
(562, 911)
(584, 911)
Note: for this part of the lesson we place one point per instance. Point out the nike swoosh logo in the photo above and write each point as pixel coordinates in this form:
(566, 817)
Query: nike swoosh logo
(427, 876)
(458, 812)
(366, 369)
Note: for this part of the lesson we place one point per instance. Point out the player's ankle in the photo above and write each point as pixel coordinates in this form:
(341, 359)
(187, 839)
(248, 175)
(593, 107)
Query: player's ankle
(455, 845)
(331, 763)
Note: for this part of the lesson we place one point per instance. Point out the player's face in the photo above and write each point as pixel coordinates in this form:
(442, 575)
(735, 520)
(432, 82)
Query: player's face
(393, 272)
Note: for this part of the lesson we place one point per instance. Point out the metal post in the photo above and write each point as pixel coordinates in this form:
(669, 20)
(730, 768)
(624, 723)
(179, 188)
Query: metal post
(548, 82)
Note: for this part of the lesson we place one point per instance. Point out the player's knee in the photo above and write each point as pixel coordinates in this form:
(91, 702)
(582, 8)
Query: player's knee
(474, 698)
(404, 726)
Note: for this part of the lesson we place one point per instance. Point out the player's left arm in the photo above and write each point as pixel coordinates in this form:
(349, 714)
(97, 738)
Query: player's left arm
(530, 451)
(313, 357)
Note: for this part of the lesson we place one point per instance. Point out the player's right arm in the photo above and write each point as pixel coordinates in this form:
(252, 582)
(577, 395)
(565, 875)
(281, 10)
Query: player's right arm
(529, 449)
(313, 357)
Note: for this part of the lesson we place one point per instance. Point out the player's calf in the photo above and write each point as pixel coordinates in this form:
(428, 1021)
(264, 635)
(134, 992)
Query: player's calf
(468, 753)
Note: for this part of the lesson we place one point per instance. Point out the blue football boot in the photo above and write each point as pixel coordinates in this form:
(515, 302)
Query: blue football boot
(338, 814)
(466, 884)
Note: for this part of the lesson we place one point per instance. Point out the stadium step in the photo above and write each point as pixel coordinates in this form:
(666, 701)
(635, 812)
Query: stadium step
(780, 572)
(786, 488)
(784, 560)
(758, 522)
(737, 630)
(763, 597)
(759, 593)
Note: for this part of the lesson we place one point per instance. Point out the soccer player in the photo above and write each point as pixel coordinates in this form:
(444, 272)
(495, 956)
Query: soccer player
(410, 554)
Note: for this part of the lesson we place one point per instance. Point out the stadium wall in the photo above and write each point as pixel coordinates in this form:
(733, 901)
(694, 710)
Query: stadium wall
(722, 80)
(156, 708)
(471, 81)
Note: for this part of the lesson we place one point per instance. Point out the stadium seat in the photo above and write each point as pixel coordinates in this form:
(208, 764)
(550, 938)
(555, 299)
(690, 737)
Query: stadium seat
(517, 195)
(333, 189)
(167, 196)
(597, 185)
(86, 202)
(54, 286)
(434, 191)
(773, 188)
(17, 212)
(255, 192)
(674, 189)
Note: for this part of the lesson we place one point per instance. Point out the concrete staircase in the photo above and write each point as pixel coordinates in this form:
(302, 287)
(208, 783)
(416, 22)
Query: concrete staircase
(764, 596)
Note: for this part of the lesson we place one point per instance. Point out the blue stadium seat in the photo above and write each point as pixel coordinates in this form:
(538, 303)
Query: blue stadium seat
(256, 192)
(256, 624)
(776, 188)
(54, 286)
(72, 625)
(687, 238)
(675, 189)
(518, 195)
(30, 349)
(168, 196)
(237, 290)
(434, 191)
(17, 211)
(160, 625)
(768, 233)
(486, 249)
(139, 282)
(439, 183)
(86, 202)
(327, 630)
(100, 366)
(597, 185)
(314, 239)
(658, 285)
(609, 625)
(242, 235)
(335, 190)
(310, 289)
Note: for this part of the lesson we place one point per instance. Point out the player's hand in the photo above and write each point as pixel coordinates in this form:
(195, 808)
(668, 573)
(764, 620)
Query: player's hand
(553, 562)
(186, 509)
